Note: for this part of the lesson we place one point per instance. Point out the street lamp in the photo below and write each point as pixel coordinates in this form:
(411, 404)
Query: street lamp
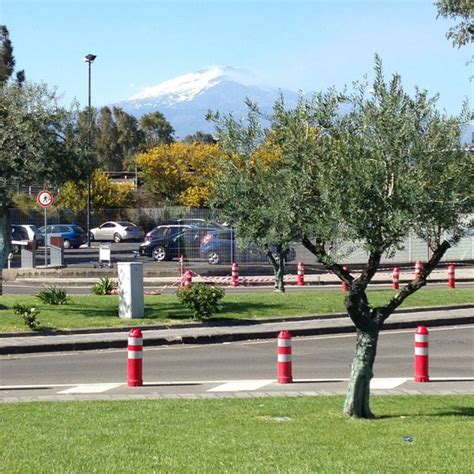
(89, 59)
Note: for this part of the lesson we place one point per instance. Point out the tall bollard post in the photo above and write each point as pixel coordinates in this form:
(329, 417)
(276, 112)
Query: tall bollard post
(396, 278)
(451, 276)
(300, 273)
(421, 354)
(187, 279)
(235, 275)
(135, 358)
(418, 267)
(344, 284)
(284, 363)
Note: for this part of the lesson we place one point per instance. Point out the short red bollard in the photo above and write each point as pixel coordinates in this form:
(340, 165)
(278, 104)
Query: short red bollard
(300, 273)
(418, 268)
(396, 278)
(344, 286)
(235, 275)
(421, 354)
(188, 279)
(135, 358)
(451, 276)
(284, 364)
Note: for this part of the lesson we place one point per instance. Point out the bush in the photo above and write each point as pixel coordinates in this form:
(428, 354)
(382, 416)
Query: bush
(53, 295)
(105, 286)
(29, 314)
(202, 300)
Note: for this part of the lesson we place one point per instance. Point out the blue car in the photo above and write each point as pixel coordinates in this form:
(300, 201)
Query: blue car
(73, 235)
(221, 246)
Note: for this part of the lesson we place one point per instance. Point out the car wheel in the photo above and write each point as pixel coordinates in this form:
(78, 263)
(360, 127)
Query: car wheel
(213, 258)
(67, 244)
(159, 254)
(117, 237)
(91, 237)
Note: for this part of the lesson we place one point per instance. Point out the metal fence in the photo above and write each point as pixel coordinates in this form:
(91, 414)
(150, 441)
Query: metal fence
(148, 218)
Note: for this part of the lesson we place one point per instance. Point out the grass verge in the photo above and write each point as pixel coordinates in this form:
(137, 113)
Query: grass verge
(102, 311)
(295, 435)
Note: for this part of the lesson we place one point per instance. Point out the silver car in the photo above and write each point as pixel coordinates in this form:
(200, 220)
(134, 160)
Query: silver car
(117, 231)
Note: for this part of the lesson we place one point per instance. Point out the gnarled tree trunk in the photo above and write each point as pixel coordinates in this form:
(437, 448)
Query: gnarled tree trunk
(358, 392)
(278, 264)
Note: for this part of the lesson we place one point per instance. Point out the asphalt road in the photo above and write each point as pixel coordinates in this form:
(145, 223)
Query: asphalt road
(322, 357)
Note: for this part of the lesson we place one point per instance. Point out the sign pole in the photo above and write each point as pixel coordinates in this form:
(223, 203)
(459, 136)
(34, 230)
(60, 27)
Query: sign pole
(45, 199)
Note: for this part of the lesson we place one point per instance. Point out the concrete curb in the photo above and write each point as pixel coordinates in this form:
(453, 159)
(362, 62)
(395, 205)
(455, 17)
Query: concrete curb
(231, 336)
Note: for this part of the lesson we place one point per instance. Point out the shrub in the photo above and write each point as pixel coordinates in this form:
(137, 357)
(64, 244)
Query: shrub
(53, 295)
(29, 314)
(202, 300)
(105, 286)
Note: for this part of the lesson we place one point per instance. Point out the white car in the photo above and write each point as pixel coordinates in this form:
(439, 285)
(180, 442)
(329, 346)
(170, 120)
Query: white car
(117, 231)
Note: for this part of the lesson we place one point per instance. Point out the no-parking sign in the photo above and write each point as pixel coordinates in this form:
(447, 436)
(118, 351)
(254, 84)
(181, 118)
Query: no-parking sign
(44, 199)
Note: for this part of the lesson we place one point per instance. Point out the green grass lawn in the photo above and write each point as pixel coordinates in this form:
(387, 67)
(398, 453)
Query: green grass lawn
(102, 311)
(298, 435)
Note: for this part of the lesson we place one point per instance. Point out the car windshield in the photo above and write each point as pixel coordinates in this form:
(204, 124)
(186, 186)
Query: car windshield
(126, 224)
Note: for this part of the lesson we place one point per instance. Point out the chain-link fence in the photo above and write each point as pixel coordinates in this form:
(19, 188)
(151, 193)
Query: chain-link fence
(198, 234)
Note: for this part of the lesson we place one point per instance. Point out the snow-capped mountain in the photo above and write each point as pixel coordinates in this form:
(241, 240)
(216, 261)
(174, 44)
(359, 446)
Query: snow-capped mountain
(185, 100)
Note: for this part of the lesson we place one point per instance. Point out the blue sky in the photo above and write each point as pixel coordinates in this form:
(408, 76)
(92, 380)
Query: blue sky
(307, 45)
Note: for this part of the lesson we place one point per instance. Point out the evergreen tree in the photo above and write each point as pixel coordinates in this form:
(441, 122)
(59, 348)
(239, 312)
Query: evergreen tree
(158, 131)
(7, 60)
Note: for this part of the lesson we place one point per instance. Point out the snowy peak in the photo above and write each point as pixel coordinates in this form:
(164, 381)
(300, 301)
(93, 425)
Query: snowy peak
(185, 88)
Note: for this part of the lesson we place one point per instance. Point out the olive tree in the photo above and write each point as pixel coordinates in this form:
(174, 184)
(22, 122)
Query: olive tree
(247, 188)
(38, 145)
(368, 167)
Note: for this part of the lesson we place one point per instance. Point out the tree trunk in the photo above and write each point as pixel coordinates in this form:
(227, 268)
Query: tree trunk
(279, 276)
(358, 393)
(5, 230)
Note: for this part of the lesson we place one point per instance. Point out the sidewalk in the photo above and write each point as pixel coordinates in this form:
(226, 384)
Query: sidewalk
(87, 277)
(208, 332)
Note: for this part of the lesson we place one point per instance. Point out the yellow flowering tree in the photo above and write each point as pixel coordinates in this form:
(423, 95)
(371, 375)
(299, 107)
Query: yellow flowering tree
(180, 172)
(105, 194)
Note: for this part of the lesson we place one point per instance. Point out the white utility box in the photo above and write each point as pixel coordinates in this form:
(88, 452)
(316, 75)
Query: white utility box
(130, 286)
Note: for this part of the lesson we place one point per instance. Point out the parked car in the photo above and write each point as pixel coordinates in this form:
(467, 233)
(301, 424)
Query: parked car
(73, 235)
(25, 232)
(166, 242)
(195, 222)
(117, 231)
(220, 246)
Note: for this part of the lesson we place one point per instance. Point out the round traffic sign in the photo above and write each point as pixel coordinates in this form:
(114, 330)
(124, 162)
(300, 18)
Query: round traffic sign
(44, 198)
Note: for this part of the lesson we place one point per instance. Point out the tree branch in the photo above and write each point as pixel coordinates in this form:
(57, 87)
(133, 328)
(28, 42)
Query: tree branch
(414, 285)
(320, 253)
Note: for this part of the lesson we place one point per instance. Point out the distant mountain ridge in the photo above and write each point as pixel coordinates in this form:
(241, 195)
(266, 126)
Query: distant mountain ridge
(185, 100)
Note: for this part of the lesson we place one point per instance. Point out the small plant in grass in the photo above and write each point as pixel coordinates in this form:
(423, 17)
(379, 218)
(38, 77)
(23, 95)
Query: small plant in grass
(202, 300)
(53, 295)
(105, 286)
(29, 315)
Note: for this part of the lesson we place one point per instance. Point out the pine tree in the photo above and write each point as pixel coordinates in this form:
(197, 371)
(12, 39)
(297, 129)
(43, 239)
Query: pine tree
(7, 60)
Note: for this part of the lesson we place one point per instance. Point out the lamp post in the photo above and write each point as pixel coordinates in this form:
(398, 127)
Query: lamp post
(89, 59)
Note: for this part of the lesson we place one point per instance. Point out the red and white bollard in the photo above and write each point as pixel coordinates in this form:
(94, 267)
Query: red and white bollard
(284, 364)
(418, 267)
(300, 273)
(188, 279)
(451, 276)
(344, 284)
(421, 354)
(135, 358)
(235, 275)
(181, 265)
(396, 278)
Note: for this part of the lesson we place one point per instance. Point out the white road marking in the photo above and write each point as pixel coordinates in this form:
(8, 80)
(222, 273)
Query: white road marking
(91, 388)
(386, 383)
(241, 386)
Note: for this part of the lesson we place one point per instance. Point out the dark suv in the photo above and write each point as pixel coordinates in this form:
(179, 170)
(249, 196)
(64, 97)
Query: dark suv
(166, 242)
(219, 246)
